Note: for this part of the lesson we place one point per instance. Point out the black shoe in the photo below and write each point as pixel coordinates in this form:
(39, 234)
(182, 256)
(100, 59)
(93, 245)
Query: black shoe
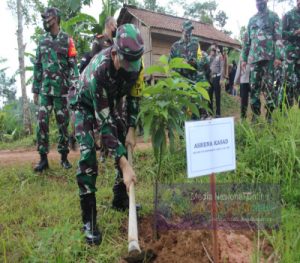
(64, 161)
(92, 234)
(89, 217)
(121, 200)
(43, 164)
(72, 143)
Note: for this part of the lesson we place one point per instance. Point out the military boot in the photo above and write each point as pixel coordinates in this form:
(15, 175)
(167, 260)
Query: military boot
(72, 142)
(120, 200)
(64, 161)
(89, 218)
(43, 164)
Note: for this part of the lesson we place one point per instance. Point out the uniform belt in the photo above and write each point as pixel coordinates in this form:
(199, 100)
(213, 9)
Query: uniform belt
(216, 75)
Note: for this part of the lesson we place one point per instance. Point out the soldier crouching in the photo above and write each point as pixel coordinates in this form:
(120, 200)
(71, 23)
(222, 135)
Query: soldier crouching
(107, 79)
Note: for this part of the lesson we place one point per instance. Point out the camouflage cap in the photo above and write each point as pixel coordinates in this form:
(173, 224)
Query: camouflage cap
(187, 25)
(130, 47)
(51, 12)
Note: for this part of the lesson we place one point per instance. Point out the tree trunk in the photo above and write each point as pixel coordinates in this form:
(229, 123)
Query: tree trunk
(21, 50)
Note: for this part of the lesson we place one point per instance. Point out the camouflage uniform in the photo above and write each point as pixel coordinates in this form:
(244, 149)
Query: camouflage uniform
(291, 23)
(101, 42)
(55, 74)
(190, 50)
(262, 45)
(101, 89)
(192, 54)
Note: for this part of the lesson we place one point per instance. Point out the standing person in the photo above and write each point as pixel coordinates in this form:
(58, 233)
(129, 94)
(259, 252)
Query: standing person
(110, 76)
(232, 73)
(101, 41)
(242, 79)
(188, 47)
(291, 37)
(216, 78)
(105, 40)
(263, 48)
(55, 74)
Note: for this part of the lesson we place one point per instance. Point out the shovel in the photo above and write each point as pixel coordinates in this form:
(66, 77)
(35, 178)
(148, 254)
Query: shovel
(135, 254)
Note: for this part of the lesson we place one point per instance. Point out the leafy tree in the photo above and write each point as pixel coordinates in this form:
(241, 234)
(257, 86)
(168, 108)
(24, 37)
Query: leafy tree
(153, 6)
(167, 104)
(290, 2)
(202, 11)
(7, 85)
(243, 30)
(23, 8)
(206, 12)
(68, 8)
(221, 19)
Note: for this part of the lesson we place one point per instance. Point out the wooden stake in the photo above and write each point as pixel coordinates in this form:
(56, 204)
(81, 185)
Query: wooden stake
(214, 218)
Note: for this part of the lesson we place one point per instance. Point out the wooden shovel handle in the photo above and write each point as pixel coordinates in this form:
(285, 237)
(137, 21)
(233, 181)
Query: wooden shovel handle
(133, 241)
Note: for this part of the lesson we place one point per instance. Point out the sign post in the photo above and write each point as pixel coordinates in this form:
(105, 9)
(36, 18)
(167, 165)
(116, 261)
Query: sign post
(214, 217)
(210, 148)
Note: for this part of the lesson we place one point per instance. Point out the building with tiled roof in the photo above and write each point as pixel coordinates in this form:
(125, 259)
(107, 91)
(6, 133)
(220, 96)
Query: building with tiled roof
(160, 31)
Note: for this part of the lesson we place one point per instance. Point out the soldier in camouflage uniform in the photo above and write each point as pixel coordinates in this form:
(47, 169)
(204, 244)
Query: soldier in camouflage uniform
(55, 73)
(262, 49)
(110, 76)
(291, 37)
(188, 47)
(100, 42)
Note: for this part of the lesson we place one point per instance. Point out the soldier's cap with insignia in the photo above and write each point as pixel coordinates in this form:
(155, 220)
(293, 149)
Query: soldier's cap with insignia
(187, 25)
(51, 12)
(130, 47)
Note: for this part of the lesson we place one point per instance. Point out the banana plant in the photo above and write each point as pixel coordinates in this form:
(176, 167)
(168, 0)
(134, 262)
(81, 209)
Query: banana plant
(87, 24)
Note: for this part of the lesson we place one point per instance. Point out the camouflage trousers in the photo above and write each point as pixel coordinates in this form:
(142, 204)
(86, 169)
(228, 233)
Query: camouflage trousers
(292, 76)
(87, 170)
(47, 103)
(262, 80)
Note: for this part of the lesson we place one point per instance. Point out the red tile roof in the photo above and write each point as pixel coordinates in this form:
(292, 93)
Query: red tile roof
(173, 23)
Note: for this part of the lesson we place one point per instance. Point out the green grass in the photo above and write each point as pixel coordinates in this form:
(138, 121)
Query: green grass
(26, 142)
(40, 216)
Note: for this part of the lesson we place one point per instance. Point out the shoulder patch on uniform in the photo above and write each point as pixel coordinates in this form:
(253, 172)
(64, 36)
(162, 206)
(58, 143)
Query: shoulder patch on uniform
(72, 50)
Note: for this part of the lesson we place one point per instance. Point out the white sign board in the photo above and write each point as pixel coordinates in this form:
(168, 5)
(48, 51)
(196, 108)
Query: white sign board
(210, 146)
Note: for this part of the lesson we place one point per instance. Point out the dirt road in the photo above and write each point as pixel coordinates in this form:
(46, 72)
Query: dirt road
(30, 155)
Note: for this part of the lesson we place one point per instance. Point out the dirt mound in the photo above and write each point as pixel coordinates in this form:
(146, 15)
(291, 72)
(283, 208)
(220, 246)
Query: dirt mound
(195, 246)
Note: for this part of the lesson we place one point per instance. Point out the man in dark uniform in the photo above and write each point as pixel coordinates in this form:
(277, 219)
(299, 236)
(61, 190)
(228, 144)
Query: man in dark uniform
(100, 42)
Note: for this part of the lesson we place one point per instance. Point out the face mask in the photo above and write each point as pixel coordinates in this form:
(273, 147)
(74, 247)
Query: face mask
(47, 24)
(113, 33)
(127, 76)
(187, 35)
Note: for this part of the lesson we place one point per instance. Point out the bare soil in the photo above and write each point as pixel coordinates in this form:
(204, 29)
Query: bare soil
(195, 246)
